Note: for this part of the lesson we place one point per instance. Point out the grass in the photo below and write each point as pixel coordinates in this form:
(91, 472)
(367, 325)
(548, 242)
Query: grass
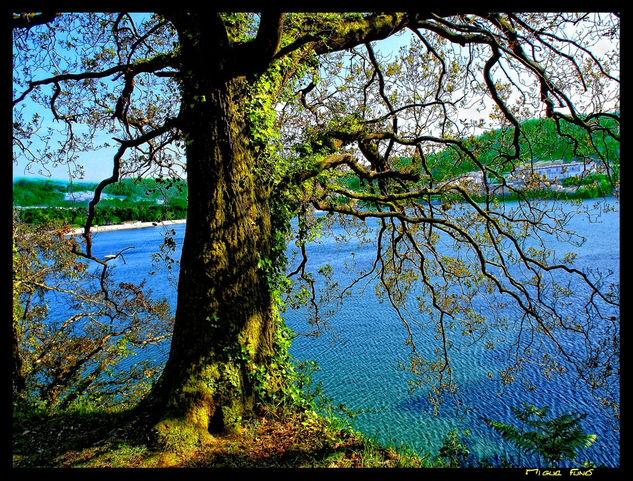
(114, 439)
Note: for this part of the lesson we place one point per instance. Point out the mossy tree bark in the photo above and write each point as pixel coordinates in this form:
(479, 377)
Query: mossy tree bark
(224, 325)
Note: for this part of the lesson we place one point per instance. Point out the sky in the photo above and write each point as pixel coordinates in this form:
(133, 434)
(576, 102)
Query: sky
(98, 165)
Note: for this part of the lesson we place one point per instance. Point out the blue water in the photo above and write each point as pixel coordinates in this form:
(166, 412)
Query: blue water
(359, 354)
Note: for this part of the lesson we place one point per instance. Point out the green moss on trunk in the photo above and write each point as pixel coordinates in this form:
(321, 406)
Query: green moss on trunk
(225, 324)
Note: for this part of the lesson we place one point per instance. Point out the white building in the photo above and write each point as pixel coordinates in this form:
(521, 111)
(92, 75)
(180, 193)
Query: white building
(554, 170)
(551, 172)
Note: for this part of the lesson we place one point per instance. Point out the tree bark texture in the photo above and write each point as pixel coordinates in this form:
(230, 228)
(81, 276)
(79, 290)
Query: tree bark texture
(224, 319)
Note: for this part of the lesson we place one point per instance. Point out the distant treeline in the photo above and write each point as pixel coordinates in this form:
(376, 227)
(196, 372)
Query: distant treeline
(103, 215)
(146, 200)
(540, 139)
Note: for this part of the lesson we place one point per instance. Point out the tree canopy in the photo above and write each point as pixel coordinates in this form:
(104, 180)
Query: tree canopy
(272, 117)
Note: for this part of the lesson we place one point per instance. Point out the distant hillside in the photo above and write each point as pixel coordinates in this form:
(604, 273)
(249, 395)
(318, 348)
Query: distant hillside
(147, 200)
(540, 140)
(59, 193)
(152, 199)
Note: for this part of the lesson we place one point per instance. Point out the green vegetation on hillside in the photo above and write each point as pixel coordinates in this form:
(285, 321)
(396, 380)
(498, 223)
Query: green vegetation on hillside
(145, 200)
(540, 140)
(151, 200)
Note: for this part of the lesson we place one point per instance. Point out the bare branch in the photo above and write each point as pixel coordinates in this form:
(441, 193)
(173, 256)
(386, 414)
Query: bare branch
(28, 20)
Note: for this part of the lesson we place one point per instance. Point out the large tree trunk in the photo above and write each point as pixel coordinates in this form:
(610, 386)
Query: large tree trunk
(224, 324)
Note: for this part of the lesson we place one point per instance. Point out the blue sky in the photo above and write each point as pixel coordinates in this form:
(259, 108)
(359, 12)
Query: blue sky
(98, 165)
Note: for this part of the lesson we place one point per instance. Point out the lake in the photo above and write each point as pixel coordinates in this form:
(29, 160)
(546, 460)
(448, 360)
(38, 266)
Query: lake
(360, 354)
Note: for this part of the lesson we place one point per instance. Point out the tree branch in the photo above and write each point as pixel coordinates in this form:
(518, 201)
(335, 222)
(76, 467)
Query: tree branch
(350, 33)
(125, 144)
(149, 66)
(28, 20)
(254, 56)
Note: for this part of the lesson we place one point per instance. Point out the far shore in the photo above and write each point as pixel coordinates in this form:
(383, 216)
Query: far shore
(126, 226)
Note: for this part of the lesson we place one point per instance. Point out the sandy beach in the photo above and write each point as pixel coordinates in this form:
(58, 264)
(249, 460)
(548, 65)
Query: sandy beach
(126, 225)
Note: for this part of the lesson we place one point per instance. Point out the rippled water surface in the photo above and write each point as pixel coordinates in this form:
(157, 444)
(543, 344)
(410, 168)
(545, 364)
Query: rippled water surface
(359, 356)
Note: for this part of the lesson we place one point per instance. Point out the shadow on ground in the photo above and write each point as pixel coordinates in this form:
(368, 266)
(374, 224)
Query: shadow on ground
(121, 439)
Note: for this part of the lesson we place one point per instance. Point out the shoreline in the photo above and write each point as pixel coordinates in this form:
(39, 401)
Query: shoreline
(126, 226)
